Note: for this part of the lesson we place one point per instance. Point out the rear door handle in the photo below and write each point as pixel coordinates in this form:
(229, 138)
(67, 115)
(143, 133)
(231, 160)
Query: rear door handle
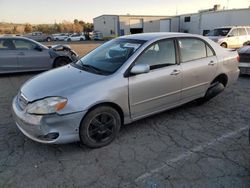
(175, 72)
(20, 53)
(211, 63)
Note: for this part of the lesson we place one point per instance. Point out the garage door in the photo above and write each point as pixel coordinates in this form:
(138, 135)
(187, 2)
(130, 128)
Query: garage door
(136, 23)
(164, 25)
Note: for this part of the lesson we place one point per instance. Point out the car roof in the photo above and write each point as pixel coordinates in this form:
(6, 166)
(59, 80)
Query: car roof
(158, 35)
(25, 38)
(13, 37)
(231, 26)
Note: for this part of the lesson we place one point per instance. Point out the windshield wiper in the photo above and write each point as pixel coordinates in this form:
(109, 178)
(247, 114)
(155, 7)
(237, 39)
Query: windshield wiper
(93, 69)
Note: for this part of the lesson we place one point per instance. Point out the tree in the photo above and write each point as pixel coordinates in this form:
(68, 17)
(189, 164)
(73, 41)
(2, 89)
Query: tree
(76, 21)
(27, 28)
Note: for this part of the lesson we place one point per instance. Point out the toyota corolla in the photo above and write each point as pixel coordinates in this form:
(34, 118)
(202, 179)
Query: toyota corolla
(123, 80)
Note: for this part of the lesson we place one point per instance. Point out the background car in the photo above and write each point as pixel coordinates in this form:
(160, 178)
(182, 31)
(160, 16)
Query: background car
(123, 80)
(230, 36)
(96, 35)
(39, 36)
(18, 54)
(75, 37)
(60, 36)
(244, 59)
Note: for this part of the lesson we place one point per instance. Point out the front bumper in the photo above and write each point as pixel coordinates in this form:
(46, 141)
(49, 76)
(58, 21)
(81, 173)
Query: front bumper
(244, 68)
(48, 129)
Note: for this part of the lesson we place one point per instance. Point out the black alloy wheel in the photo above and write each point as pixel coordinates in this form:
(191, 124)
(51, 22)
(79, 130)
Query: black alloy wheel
(100, 127)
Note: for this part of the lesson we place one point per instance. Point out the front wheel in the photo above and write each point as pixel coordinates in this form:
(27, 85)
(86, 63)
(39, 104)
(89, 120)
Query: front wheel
(48, 39)
(100, 127)
(223, 45)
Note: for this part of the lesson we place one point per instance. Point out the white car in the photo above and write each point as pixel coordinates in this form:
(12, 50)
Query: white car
(75, 37)
(60, 36)
(230, 36)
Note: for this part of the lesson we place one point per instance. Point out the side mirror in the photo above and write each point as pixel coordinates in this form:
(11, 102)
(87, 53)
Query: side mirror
(230, 35)
(38, 48)
(140, 69)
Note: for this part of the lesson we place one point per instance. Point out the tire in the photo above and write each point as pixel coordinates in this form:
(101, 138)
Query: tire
(48, 39)
(224, 45)
(69, 40)
(246, 43)
(215, 88)
(81, 39)
(100, 127)
(61, 61)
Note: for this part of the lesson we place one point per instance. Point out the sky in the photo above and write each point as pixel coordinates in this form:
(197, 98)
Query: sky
(51, 11)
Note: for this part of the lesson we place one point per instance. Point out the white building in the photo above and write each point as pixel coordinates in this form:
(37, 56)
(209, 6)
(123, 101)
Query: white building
(119, 25)
(196, 23)
(204, 21)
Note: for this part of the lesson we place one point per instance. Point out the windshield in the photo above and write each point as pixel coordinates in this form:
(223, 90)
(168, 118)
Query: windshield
(109, 57)
(219, 32)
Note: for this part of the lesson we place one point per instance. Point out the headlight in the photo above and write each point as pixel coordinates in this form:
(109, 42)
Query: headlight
(48, 105)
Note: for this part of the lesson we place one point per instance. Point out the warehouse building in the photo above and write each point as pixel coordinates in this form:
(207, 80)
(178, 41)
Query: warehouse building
(119, 25)
(196, 23)
(206, 20)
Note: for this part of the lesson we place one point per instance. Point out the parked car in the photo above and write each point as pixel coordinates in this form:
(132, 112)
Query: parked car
(123, 80)
(97, 35)
(19, 54)
(39, 36)
(244, 59)
(75, 37)
(230, 36)
(60, 36)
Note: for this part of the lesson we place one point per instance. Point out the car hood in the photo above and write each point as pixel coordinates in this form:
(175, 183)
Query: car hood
(244, 50)
(63, 81)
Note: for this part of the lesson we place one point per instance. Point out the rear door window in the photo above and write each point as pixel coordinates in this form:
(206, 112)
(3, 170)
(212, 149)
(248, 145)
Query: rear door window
(242, 31)
(192, 49)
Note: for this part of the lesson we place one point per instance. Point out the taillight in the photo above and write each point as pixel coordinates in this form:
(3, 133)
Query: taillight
(238, 58)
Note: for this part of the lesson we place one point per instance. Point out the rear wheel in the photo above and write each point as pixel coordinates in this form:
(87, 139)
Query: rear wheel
(69, 40)
(100, 127)
(81, 39)
(215, 88)
(61, 61)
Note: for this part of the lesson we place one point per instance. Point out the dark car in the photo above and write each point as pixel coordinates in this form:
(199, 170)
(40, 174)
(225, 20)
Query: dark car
(20, 54)
(244, 55)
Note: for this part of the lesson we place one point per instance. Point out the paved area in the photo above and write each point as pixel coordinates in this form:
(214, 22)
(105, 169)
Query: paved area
(191, 146)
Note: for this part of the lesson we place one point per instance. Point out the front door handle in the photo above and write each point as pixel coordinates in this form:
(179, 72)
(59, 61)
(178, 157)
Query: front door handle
(175, 72)
(211, 63)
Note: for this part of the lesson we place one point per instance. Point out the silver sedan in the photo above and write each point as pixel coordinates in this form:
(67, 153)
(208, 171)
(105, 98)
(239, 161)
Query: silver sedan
(19, 54)
(123, 80)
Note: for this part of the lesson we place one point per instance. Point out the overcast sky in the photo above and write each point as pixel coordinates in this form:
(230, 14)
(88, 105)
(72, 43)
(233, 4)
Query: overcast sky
(50, 11)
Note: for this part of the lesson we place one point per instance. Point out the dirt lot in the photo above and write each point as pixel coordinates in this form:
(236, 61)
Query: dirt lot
(191, 146)
(81, 48)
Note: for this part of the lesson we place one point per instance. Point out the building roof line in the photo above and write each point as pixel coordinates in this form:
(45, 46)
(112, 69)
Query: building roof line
(131, 15)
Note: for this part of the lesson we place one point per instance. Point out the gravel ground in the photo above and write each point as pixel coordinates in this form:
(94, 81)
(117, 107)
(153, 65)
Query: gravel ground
(190, 146)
